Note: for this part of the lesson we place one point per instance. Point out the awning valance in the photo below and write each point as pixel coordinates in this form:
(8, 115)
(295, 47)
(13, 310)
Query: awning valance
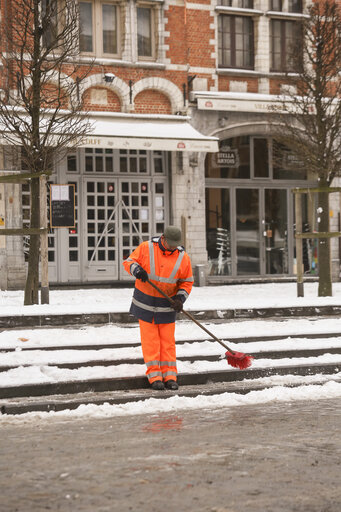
(239, 102)
(129, 131)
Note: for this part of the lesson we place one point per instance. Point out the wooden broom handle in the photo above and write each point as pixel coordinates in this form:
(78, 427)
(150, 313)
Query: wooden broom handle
(171, 301)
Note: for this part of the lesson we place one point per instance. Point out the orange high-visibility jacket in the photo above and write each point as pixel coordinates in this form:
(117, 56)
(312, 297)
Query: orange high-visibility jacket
(171, 271)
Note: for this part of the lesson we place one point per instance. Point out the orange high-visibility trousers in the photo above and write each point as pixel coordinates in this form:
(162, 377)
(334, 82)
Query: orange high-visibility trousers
(158, 348)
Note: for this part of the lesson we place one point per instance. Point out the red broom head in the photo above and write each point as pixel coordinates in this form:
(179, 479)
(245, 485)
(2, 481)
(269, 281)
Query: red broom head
(238, 360)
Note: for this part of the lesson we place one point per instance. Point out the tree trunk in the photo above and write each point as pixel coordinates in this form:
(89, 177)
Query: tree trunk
(324, 259)
(32, 280)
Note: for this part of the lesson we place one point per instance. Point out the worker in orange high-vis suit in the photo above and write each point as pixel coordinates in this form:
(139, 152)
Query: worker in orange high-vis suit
(164, 262)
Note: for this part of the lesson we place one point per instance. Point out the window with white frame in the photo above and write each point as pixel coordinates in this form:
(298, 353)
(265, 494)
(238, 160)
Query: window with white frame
(146, 18)
(235, 42)
(99, 28)
(285, 36)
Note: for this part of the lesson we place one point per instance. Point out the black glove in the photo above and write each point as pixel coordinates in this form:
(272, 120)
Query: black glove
(140, 273)
(177, 304)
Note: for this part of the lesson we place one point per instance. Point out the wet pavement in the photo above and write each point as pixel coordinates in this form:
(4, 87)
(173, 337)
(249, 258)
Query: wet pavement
(283, 457)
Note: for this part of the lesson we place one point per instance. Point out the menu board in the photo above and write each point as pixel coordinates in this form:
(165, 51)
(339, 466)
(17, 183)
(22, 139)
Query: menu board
(62, 206)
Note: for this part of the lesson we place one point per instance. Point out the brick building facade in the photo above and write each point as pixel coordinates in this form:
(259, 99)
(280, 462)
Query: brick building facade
(180, 94)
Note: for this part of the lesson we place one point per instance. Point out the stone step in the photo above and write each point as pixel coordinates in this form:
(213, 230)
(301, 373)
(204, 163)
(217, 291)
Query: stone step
(46, 320)
(265, 354)
(73, 400)
(241, 339)
(140, 382)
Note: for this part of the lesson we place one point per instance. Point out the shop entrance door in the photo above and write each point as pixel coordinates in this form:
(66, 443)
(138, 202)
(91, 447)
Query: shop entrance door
(247, 231)
(118, 217)
(99, 219)
(261, 231)
(275, 232)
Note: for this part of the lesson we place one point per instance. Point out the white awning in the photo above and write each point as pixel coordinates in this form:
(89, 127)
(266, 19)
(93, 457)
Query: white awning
(134, 131)
(239, 102)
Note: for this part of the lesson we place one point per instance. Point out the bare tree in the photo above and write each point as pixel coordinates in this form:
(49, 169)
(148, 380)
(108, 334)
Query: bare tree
(41, 104)
(312, 122)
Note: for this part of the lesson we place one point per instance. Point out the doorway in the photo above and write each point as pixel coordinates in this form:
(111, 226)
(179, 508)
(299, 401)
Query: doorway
(248, 231)
(121, 199)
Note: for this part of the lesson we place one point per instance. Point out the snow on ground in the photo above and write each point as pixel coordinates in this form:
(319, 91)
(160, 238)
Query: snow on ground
(20, 357)
(114, 334)
(39, 374)
(176, 404)
(206, 297)
(214, 298)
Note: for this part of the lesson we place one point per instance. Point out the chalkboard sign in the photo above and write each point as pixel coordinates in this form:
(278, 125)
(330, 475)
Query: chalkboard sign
(62, 206)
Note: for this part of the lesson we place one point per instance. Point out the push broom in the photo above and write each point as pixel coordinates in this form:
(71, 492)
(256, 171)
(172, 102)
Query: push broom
(235, 359)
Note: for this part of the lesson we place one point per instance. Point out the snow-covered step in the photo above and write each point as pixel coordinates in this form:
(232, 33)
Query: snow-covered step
(207, 349)
(24, 344)
(117, 336)
(22, 405)
(58, 383)
(87, 361)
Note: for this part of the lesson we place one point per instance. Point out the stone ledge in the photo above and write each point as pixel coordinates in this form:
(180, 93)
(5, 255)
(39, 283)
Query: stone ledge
(7, 322)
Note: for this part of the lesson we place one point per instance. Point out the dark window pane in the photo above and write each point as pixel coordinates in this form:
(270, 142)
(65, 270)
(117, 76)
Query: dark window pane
(99, 164)
(276, 5)
(72, 163)
(73, 255)
(88, 164)
(232, 161)
(73, 241)
(218, 231)
(144, 31)
(86, 35)
(109, 24)
(260, 158)
(109, 167)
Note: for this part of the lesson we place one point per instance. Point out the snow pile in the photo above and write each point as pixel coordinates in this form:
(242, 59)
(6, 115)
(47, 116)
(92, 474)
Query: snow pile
(176, 403)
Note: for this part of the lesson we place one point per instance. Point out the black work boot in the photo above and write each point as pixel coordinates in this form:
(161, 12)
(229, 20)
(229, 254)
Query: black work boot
(158, 385)
(172, 384)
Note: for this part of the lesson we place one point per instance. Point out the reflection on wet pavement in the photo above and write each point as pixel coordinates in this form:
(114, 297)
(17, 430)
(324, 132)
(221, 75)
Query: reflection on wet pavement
(164, 423)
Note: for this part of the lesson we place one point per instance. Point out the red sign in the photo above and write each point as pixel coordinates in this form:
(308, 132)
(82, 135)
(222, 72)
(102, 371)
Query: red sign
(181, 145)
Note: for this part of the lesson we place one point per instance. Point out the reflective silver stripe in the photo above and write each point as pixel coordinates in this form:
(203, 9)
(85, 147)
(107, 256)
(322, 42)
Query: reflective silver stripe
(154, 374)
(153, 363)
(167, 374)
(154, 309)
(152, 274)
(165, 280)
(182, 292)
(171, 279)
(188, 280)
(168, 363)
(177, 265)
(133, 266)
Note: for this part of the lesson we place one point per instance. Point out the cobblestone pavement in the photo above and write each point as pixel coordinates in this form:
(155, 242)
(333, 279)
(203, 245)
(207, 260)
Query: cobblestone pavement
(265, 458)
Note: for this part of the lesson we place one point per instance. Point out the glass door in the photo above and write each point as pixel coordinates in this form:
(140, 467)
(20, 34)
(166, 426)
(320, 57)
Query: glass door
(247, 231)
(275, 231)
(100, 202)
(218, 231)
